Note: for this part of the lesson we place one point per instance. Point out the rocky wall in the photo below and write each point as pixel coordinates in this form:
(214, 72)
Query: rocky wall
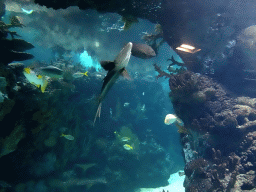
(218, 144)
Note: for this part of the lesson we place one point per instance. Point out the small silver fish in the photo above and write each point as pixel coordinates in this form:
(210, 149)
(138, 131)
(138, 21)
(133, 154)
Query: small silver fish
(111, 112)
(52, 71)
(143, 108)
(126, 104)
(69, 137)
(124, 139)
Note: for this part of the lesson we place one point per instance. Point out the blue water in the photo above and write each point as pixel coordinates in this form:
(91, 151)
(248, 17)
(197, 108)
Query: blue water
(88, 44)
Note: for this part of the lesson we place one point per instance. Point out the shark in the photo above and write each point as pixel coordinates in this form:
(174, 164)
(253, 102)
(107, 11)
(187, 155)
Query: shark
(115, 69)
(174, 62)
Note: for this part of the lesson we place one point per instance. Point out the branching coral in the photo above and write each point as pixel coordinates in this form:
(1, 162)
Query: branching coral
(161, 73)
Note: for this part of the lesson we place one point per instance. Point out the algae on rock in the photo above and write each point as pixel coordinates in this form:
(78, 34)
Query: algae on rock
(9, 144)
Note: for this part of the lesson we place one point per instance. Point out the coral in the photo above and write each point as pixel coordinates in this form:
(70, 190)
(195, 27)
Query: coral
(244, 182)
(196, 167)
(219, 129)
(161, 73)
(181, 128)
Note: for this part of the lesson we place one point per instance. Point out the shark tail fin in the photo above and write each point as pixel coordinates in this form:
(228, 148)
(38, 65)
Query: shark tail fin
(97, 113)
(173, 60)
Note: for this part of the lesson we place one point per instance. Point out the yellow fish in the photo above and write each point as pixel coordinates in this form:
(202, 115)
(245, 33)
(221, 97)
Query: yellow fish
(69, 137)
(80, 74)
(128, 147)
(37, 80)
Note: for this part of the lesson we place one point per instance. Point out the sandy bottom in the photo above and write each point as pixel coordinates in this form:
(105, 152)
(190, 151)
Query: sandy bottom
(175, 185)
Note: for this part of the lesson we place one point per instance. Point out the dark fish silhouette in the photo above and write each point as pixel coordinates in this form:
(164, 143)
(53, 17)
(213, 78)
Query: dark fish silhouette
(52, 71)
(115, 69)
(142, 51)
(174, 62)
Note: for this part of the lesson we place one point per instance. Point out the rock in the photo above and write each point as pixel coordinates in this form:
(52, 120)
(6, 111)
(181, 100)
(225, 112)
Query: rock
(3, 84)
(16, 66)
(1, 97)
(2, 8)
(10, 143)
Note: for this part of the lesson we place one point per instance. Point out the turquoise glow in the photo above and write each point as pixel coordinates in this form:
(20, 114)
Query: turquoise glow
(87, 61)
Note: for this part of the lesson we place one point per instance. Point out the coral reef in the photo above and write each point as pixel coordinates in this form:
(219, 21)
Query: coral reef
(218, 144)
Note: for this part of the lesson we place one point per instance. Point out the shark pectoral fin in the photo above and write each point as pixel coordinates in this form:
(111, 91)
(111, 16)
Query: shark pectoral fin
(126, 75)
(107, 65)
(97, 113)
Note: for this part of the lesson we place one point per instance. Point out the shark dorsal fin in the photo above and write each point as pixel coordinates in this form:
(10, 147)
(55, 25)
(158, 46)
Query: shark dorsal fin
(107, 65)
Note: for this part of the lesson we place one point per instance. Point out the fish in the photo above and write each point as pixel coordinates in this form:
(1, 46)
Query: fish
(80, 74)
(181, 173)
(142, 51)
(115, 69)
(117, 134)
(37, 80)
(111, 112)
(170, 119)
(27, 11)
(126, 104)
(124, 139)
(68, 137)
(127, 147)
(174, 62)
(52, 71)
